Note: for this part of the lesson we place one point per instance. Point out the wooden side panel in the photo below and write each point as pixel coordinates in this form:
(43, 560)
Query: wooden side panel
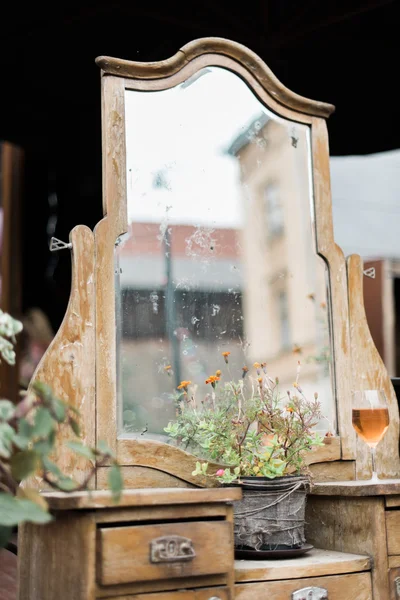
(351, 525)
(106, 233)
(393, 531)
(68, 365)
(57, 561)
(336, 263)
(340, 587)
(124, 552)
(369, 372)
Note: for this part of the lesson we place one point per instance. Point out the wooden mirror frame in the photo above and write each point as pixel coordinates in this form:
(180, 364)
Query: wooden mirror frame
(356, 361)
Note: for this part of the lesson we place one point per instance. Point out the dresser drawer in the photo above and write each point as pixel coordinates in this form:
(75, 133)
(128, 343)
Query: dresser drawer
(200, 594)
(163, 551)
(337, 587)
(393, 531)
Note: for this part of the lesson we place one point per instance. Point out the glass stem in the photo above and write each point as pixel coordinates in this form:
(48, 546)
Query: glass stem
(373, 456)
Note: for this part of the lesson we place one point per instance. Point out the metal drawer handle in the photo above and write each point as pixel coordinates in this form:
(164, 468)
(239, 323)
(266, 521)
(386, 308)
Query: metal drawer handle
(171, 548)
(310, 593)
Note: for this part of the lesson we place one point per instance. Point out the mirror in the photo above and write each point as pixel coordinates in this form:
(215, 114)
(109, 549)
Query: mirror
(219, 255)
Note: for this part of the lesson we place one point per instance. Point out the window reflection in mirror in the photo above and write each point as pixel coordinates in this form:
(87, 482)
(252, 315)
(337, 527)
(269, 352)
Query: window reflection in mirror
(219, 256)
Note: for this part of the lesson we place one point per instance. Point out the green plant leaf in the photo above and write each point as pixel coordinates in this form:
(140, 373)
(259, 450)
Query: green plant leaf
(21, 442)
(59, 408)
(24, 464)
(75, 427)
(7, 410)
(66, 484)
(25, 429)
(81, 449)
(43, 391)
(7, 434)
(43, 423)
(48, 465)
(115, 481)
(43, 447)
(16, 510)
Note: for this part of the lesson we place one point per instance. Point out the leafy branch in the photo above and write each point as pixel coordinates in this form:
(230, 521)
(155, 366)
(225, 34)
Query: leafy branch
(28, 440)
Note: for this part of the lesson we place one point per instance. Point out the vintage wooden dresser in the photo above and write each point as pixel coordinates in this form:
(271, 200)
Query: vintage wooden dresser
(181, 268)
(164, 544)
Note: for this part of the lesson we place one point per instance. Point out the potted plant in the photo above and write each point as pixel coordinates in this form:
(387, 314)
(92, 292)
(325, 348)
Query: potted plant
(260, 437)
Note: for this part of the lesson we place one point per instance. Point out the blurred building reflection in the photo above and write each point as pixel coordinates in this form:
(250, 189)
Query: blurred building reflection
(285, 291)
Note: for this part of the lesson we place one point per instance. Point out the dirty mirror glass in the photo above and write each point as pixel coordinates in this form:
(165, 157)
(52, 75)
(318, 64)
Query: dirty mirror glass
(218, 268)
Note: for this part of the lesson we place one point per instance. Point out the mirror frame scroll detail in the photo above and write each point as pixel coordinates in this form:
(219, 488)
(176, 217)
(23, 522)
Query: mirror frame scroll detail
(117, 76)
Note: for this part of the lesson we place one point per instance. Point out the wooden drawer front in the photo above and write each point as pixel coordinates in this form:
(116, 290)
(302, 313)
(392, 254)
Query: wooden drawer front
(338, 587)
(123, 554)
(201, 594)
(393, 531)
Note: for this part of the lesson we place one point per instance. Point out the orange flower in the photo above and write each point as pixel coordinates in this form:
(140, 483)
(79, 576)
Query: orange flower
(257, 366)
(225, 355)
(218, 373)
(244, 371)
(212, 379)
(259, 380)
(184, 385)
(289, 409)
(297, 349)
(168, 370)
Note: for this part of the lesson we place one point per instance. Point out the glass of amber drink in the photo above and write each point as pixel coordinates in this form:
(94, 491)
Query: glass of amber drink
(370, 417)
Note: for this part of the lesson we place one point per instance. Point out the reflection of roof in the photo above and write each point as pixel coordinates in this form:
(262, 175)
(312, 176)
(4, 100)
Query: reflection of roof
(186, 240)
(248, 135)
(200, 258)
(366, 204)
(148, 272)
